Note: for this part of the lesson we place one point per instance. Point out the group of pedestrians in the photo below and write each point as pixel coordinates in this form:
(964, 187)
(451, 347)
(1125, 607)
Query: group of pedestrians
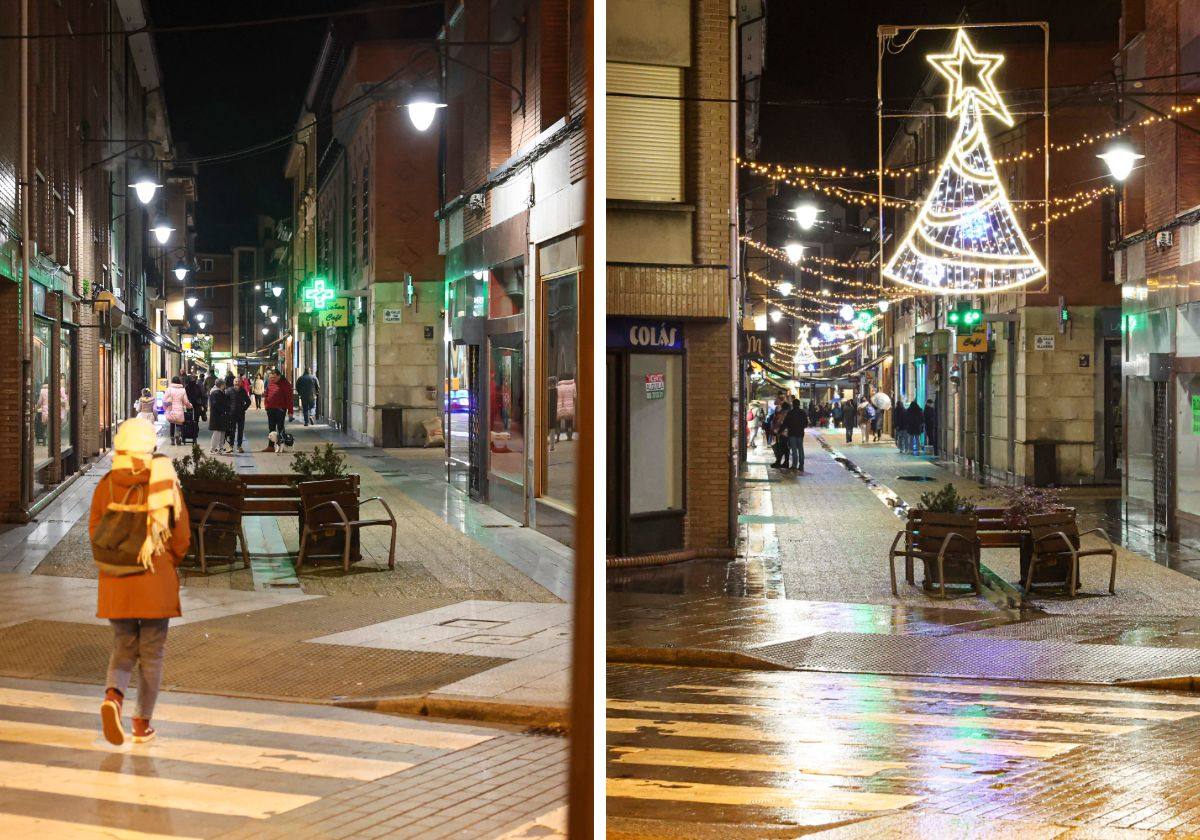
(784, 424)
(913, 422)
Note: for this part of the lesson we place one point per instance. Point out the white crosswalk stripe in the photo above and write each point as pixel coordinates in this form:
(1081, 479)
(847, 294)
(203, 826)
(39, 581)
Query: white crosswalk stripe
(856, 745)
(213, 767)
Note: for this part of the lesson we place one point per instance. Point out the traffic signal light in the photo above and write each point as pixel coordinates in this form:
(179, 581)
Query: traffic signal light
(964, 316)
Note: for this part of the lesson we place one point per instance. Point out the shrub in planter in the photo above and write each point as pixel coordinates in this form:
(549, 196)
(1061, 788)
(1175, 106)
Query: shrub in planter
(1022, 502)
(198, 467)
(322, 464)
(946, 500)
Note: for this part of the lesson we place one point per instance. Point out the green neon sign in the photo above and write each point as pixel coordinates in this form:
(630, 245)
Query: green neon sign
(317, 294)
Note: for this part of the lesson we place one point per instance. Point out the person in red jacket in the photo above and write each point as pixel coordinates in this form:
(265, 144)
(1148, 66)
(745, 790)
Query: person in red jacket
(278, 401)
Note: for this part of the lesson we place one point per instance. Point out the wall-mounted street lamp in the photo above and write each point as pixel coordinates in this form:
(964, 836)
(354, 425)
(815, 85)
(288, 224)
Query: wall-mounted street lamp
(794, 251)
(145, 188)
(162, 232)
(191, 302)
(264, 309)
(1120, 159)
(422, 107)
(277, 290)
(181, 270)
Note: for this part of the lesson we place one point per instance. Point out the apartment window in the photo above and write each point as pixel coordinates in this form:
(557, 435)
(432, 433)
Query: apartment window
(353, 224)
(366, 216)
(206, 265)
(645, 135)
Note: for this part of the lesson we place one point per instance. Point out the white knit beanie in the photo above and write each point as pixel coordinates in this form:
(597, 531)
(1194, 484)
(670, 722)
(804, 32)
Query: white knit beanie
(136, 436)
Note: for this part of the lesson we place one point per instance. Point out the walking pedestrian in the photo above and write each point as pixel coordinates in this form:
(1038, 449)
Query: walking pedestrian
(176, 404)
(899, 421)
(780, 446)
(931, 425)
(218, 418)
(758, 417)
(259, 389)
(837, 415)
(794, 425)
(307, 387)
(239, 401)
(278, 401)
(145, 407)
(244, 382)
(138, 588)
(849, 417)
(866, 414)
(195, 395)
(914, 424)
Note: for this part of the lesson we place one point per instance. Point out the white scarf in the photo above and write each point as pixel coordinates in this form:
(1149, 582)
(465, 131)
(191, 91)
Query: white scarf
(160, 498)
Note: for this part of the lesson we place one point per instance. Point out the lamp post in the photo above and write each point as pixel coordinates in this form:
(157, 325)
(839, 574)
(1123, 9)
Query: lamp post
(1120, 158)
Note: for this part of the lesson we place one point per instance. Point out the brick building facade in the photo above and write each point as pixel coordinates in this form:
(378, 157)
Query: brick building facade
(670, 269)
(514, 186)
(1157, 263)
(73, 303)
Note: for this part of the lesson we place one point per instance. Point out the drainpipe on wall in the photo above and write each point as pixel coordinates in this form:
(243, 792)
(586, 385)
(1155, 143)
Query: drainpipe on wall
(735, 279)
(26, 289)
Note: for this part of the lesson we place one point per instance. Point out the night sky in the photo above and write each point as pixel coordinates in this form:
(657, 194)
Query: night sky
(234, 88)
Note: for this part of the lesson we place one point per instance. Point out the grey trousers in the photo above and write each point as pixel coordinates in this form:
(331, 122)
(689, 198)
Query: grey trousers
(142, 641)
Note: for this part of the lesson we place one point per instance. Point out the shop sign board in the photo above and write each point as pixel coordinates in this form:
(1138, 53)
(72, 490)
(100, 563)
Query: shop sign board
(756, 344)
(335, 314)
(974, 341)
(1043, 342)
(656, 386)
(645, 334)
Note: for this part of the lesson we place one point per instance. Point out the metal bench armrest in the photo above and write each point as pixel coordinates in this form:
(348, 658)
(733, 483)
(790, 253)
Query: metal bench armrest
(1111, 546)
(340, 511)
(211, 507)
(946, 542)
(381, 501)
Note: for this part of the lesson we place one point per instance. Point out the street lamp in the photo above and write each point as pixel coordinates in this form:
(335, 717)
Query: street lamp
(274, 319)
(806, 214)
(145, 188)
(1120, 159)
(775, 315)
(422, 108)
(265, 331)
(277, 290)
(794, 251)
(162, 232)
(191, 302)
(264, 309)
(785, 288)
(181, 270)
(884, 304)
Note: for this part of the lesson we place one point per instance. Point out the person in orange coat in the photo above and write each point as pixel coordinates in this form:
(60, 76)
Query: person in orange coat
(139, 606)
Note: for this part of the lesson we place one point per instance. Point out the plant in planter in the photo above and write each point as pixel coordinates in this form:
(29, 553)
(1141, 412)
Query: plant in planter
(323, 462)
(1022, 502)
(198, 467)
(946, 500)
(205, 481)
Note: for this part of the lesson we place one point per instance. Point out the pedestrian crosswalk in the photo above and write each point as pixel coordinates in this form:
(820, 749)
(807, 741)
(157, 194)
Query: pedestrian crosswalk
(217, 763)
(711, 746)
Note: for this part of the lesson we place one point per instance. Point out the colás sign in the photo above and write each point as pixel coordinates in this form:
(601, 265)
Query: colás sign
(644, 334)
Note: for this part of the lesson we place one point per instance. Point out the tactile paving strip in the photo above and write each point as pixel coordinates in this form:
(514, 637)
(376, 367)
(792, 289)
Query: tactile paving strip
(980, 657)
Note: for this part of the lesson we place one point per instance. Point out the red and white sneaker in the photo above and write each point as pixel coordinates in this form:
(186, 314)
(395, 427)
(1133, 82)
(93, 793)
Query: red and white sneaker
(110, 718)
(142, 731)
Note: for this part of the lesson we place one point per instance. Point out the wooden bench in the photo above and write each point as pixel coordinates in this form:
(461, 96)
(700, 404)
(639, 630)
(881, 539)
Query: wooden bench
(275, 494)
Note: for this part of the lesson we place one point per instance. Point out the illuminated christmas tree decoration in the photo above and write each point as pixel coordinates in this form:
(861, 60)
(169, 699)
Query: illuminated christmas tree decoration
(966, 239)
(804, 352)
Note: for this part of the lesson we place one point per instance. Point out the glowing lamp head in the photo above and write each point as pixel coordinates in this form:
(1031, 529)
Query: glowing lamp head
(277, 290)
(264, 309)
(846, 312)
(785, 288)
(274, 319)
(191, 302)
(144, 189)
(162, 232)
(794, 251)
(1120, 159)
(775, 315)
(422, 108)
(884, 305)
(265, 330)
(806, 215)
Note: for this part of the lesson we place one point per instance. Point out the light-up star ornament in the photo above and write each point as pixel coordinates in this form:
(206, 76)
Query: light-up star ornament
(966, 238)
(318, 295)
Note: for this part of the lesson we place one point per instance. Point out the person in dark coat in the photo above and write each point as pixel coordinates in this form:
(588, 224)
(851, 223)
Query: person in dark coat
(914, 424)
(780, 446)
(239, 401)
(195, 395)
(793, 426)
(218, 418)
(849, 417)
(931, 425)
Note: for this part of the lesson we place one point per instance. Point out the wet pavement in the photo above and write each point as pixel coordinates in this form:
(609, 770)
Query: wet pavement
(698, 752)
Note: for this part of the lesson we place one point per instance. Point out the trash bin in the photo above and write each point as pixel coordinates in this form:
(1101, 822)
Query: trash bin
(393, 426)
(1045, 463)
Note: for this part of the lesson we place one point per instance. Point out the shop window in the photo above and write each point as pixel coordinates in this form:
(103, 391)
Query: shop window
(506, 433)
(655, 395)
(64, 390)
(506, 290)
(43, 399)
(560, 331)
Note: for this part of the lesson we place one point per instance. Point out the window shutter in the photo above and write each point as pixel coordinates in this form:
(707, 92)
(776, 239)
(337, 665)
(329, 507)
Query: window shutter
(645, 136)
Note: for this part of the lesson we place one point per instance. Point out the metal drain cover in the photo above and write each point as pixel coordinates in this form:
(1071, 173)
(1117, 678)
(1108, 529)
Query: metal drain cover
(916, 478)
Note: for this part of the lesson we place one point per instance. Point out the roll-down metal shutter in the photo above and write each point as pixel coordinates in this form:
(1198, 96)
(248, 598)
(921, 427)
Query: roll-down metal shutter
(645, 136)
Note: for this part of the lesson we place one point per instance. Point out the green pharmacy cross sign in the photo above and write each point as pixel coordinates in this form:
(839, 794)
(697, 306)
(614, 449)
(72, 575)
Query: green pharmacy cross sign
(318, 295)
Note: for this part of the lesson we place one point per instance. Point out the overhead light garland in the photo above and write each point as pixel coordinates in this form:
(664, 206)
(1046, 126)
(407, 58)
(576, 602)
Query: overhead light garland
(966, 237)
